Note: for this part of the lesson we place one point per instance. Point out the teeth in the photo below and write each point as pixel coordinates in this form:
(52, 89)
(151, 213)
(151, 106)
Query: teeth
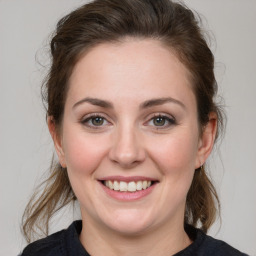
(110, 185)
(139, 185)
(131, 186)
(116, 185)
(123, 186)
(144, 184)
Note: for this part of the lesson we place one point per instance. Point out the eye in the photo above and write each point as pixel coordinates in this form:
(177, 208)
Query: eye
(161, 121)
(94, 121)
(97, 121)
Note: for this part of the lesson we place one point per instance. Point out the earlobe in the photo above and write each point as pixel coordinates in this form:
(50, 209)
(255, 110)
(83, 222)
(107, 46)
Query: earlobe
(207, 140)
(56, 140)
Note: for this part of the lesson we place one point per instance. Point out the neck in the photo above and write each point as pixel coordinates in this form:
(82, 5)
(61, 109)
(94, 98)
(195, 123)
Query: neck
(160, 241)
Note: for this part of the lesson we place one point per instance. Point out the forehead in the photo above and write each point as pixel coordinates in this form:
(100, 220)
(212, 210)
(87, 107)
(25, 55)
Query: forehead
(132, 67)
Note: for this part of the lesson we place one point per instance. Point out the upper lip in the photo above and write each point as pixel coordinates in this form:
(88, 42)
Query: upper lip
(128, 178)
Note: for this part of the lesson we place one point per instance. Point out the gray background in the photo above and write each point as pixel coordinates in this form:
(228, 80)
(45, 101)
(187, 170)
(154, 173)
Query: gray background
(25, 145)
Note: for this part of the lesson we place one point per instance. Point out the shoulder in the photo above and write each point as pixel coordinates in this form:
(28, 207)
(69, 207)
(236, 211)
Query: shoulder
(217, 247)
(207, 245)
(49, 246)
(62, 243)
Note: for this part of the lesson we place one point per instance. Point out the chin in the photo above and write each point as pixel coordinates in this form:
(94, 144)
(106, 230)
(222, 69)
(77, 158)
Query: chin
(128, 222)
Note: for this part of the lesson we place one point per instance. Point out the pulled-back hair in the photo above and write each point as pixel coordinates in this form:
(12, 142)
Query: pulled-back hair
(104, 21)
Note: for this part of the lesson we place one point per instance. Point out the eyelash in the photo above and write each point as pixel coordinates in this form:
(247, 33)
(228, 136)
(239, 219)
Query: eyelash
(89, 118)
(170, 121)
(87, 121)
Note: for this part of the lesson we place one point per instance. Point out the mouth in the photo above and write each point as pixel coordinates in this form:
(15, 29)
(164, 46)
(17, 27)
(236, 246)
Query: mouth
(131, 186)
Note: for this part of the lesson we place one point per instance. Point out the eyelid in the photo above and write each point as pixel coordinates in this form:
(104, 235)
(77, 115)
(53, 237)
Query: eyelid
(89, 116)
(171, 119)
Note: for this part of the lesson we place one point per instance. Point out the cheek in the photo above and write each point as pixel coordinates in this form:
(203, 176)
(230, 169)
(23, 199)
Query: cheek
(175, 154)
(175, 157)
(83, 152)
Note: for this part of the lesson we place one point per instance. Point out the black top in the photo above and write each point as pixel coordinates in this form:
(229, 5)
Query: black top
(67, 243)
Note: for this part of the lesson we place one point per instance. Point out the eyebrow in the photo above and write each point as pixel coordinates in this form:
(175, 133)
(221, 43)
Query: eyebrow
(95, 101)
(160, 101)
(146, 104)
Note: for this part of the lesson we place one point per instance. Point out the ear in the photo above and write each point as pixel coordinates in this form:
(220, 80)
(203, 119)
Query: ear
(207, 139)
(56, 140)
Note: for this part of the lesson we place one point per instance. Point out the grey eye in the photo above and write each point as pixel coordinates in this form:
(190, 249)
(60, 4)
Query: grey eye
(159, 121)
(97, 121)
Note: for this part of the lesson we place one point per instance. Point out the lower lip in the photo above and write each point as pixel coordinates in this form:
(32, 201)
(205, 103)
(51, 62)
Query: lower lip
(128, 196)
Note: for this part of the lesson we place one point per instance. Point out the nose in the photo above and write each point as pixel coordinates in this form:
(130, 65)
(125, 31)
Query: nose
(127, 149)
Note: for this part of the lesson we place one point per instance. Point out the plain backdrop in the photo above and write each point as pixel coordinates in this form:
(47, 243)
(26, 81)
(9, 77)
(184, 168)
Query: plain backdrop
(26, 147)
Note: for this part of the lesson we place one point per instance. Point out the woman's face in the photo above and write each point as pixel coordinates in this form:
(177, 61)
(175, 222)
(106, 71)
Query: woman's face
(130, 123)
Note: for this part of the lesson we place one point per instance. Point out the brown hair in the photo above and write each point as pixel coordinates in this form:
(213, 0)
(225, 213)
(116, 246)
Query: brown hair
(100, 21)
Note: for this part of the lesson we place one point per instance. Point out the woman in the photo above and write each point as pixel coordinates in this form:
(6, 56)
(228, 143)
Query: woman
(132, 115)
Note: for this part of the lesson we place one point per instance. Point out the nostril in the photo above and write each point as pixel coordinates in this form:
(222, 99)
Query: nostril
(126, 150)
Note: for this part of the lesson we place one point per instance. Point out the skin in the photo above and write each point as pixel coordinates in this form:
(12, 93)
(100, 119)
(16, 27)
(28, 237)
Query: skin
(129, 142)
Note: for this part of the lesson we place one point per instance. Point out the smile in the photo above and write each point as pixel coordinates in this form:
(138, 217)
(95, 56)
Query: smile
(131, 186)
(128, 188)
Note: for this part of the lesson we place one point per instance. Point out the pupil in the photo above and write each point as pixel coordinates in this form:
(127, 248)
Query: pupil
(97, 121)
(159, 121)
